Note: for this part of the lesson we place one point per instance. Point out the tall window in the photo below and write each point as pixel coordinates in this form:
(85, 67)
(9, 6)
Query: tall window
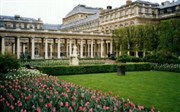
(140, 9)
(132, 11)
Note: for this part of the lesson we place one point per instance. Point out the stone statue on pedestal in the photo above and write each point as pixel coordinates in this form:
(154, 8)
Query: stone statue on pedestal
(74, 57)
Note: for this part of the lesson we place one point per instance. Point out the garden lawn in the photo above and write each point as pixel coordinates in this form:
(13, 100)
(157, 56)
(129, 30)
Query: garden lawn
(148, 88)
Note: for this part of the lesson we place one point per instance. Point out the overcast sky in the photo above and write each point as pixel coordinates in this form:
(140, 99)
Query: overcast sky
(52, 11)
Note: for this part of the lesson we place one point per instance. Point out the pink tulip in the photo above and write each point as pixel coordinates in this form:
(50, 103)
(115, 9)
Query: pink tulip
(54, 109)
(19, 103)
(12, 107)
(70, 108)
(87, 104)
(66, 104)
(38, 109)
(107, 108)
(61, 104)
(80, 109)
(91, 110)
(104, 107)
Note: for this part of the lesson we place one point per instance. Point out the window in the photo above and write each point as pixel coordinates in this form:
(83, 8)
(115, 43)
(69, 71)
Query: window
(169, 10)
(161, 12)
(17, 25)
(22, 25)
(146, 11)
(28, 26)
(126, 12)
(132, 11)
(140, 10)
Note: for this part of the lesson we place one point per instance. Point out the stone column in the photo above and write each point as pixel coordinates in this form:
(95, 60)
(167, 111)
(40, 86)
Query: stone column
(59, 48)
(144, 53)
(23, 47)
(92, 49)
(102, 49)
(137, 54)
(17, 45)
(32, 48)
(86, 48)
(70, 47)
(65, 47)
(128, 52)
(81, 47)
(46, 49)
(95, 49)
(111, 47)
(13, 48)
(54, 48)
(105, 48)
(42, 47)
(51, 50)
(2, 45)
(29, 46)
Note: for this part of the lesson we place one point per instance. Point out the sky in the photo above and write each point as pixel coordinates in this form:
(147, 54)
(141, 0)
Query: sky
(52, 11)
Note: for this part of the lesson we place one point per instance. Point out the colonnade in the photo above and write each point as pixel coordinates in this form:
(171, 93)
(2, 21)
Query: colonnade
(49, 48)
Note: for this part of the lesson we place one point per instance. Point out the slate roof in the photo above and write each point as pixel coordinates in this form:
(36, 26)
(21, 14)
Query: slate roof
(82, 21)
(147, 2)
(82, 9)
(51, 26)
(170, 4)
(3, 17)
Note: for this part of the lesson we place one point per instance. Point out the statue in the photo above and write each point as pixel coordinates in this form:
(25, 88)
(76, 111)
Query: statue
(74, 51)
(74, 57)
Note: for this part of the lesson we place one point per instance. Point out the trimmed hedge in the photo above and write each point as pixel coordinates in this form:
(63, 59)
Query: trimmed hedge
(166, 67)
(71, 70)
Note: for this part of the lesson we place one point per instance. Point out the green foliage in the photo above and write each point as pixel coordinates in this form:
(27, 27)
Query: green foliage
(70, 70)
(8, 62)
(169, 35)
(126, 58)
(164, 36)
(166, 67)
(162, 58)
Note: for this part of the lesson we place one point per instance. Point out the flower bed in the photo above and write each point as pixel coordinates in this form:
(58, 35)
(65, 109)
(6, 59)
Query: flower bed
(45, 93)
(22, 72)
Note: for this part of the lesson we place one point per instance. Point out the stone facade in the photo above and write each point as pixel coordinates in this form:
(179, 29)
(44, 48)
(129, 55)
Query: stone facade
(132, 13)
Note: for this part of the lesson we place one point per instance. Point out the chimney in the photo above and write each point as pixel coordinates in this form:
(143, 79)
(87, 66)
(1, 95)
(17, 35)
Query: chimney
(128, 2)
(16, 16)
(109, 7)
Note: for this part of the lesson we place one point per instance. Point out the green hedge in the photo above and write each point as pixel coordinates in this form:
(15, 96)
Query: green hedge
(70, 70)
(166, 67)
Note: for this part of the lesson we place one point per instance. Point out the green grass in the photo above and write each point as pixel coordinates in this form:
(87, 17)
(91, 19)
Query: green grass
(149, 88)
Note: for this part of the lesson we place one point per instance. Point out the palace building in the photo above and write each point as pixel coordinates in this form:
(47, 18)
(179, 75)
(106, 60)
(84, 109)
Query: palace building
(89, 28)
(83, 18)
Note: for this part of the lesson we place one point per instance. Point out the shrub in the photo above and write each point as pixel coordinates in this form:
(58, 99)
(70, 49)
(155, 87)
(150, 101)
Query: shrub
(8, 62)
(166, 67)
(70, 70)
(126, 58)
(162, 58)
